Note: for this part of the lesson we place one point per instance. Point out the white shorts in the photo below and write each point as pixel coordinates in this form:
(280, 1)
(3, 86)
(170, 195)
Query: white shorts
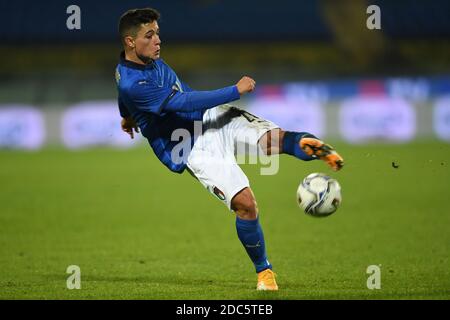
(212, 159)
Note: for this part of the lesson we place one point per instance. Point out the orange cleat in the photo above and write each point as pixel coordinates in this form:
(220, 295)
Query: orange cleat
(266, 281)
(318, 149)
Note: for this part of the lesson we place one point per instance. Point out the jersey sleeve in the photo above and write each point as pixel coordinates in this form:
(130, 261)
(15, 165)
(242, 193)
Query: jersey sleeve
(149, 97)
(200, 100)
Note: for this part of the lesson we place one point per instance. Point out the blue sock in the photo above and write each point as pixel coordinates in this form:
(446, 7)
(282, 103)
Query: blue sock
(251, 235)
(291, 146)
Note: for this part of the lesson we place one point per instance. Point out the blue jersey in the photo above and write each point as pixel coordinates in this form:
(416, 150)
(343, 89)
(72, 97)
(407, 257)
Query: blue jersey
(160, 103)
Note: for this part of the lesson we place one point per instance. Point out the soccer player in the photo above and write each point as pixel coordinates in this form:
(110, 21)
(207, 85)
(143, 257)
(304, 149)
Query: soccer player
(154, 100)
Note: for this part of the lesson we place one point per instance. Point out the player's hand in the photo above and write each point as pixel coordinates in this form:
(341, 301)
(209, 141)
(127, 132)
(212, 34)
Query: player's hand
(128, 125)
(246, 85)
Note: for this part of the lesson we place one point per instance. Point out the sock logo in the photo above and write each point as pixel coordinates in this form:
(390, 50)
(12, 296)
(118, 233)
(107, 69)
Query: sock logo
(254, 246)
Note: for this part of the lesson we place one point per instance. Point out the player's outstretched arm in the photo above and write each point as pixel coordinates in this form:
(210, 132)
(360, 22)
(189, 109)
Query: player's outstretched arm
(201, 100)
(148, 97)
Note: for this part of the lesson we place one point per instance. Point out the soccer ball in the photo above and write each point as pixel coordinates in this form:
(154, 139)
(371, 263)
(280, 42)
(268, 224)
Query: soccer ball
(319, 195)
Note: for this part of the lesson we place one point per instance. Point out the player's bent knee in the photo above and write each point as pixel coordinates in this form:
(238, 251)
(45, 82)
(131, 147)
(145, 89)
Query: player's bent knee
(245, 206)
(271, 141)
(247, 213)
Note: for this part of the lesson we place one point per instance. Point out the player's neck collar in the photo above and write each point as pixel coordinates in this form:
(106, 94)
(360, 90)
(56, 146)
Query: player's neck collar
(134, 65)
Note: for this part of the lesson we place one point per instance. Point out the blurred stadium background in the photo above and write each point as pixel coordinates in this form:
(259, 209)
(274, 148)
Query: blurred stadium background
(317, 66)
(139, 231)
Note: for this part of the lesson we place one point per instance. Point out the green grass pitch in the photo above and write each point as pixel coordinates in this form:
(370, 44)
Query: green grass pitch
(138, 231)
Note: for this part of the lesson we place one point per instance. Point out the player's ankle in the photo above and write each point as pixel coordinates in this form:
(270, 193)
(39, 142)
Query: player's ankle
(291, 144)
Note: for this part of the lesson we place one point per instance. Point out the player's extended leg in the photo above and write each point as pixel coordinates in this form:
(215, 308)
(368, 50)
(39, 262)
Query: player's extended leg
(252, 238)
(302, 145)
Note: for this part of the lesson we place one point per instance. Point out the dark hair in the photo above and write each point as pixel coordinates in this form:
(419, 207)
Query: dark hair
(130, 22)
